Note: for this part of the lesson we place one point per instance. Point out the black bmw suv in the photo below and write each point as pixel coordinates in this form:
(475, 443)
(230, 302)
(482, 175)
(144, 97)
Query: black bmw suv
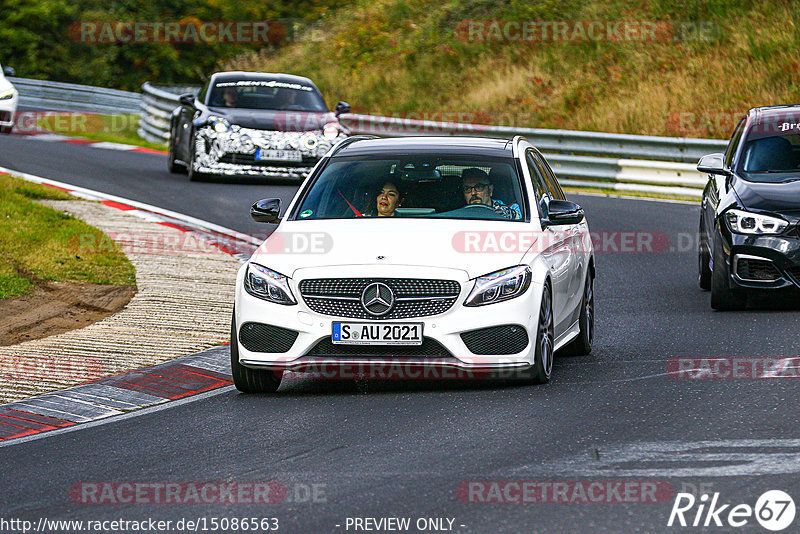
(750, 216)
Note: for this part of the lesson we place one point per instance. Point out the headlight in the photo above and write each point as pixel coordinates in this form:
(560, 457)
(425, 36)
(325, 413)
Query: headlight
(7, 94)
(268, 285)
(499, 286)
(744, 222)
(331, 131)
(219, 124)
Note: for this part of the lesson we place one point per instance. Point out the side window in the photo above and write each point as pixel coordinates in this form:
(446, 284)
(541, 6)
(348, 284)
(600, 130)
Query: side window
(733, 145)
(550, 181)
(540, 191)
(536, 175)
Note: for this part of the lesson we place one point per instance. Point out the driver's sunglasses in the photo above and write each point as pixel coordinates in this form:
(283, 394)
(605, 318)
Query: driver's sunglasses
(478, 188)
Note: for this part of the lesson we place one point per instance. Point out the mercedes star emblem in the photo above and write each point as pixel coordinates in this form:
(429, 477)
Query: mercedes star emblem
(377, 298)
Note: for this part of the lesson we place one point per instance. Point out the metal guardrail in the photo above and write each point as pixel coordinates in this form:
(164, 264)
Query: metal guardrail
(620, 162)
(58, 96)
(157, 105)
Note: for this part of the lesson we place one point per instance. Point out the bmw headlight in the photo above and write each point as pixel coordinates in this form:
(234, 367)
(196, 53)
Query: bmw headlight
(499, 286)
(7, 94)
(219, 124)
(267, 284)
(744, 222)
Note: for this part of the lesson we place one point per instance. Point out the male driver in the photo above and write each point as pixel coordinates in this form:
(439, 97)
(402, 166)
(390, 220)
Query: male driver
(230, 96)
(478, 189)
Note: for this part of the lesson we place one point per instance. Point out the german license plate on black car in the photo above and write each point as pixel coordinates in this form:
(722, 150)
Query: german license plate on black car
(377, 334)
(263, 154)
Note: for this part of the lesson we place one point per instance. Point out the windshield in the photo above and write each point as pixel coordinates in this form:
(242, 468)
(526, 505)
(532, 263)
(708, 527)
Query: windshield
(454, 187)
(266, 94)
(772, 148)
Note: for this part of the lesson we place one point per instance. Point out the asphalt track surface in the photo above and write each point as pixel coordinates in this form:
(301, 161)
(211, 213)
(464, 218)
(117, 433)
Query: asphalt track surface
(402, 448)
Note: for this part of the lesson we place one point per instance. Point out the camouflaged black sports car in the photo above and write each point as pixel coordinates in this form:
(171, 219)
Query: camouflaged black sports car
(253, 124)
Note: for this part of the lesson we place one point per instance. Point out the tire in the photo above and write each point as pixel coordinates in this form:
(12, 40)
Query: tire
(194, 176)
(249, 380)
(723, 297)
(703, 259)
(6, 129)
(543, 357)
(173, 166)
(582, 344)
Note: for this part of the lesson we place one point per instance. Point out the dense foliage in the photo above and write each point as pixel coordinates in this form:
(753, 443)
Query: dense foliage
(42, 38)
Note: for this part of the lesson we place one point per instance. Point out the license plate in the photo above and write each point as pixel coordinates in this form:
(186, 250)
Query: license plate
(377, 334)
(263, 154)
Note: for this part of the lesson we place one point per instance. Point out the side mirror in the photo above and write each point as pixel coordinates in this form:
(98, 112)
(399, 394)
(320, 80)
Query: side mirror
(267, 210)
(342, 107)
(713, 164)
(187, 100)
(8, 71)
(561, 212)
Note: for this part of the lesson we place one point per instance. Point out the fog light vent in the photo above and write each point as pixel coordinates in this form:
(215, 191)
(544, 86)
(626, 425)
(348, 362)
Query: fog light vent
(506, 339)
(754, 269)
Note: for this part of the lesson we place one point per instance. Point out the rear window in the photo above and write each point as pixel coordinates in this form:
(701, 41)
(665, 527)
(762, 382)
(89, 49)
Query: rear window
(451, 187)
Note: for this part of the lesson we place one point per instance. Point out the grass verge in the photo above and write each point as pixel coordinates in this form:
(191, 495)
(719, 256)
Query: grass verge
(121, 128)
(41, 244)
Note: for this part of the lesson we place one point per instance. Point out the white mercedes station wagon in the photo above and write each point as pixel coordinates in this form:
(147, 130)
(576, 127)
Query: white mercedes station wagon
(457, 253)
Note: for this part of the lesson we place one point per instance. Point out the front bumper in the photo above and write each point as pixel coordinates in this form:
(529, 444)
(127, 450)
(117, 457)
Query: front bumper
(233, 153)
(763, 262)
(8, 109)
(443, 347)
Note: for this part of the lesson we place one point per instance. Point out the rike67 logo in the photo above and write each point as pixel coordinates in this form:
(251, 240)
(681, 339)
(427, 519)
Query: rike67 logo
(774, 510)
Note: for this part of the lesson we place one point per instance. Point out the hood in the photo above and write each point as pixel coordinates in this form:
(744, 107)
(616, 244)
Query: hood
(5, 85)
(283, 121)
(475, 247)
(783, 197)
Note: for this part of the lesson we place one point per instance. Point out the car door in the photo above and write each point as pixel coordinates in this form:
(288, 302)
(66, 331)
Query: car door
(578, 256)
(555, 241)
(184, 125)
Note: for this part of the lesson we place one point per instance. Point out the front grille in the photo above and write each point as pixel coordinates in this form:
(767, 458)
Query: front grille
(341, 297)
(430, 348)
(259, 337)
(506, 339)
(754, 269)
(5, 116)
(236, 158)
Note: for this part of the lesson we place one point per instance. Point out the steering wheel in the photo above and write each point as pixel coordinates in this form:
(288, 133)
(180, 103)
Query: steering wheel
(479, 206)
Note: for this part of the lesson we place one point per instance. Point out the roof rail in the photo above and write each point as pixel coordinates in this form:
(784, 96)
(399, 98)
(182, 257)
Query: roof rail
(350, 140)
